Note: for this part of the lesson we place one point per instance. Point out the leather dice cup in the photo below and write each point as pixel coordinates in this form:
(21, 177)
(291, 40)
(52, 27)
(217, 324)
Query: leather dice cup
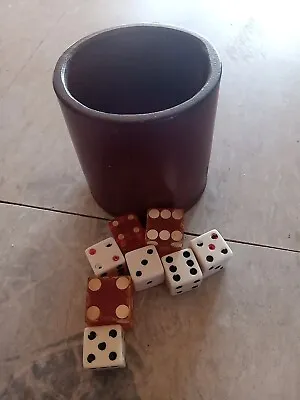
(140, 103)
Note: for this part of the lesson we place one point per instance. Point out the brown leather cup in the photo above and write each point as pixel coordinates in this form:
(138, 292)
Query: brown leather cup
(140, 104)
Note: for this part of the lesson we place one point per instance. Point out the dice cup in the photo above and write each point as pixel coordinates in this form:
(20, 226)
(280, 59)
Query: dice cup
(140, 103)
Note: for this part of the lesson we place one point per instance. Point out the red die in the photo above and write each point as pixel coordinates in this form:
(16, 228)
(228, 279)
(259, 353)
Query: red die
(165, 230)
(109, 301)
(128, 232)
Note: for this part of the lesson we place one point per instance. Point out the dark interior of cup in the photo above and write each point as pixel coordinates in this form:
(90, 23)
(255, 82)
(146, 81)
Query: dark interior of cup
(137, 70)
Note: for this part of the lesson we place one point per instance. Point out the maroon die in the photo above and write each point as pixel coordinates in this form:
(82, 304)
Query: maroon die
(165, 230)
(128, 232)
(109, 301)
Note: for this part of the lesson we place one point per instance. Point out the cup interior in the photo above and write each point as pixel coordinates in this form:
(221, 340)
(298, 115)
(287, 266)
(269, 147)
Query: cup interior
(137, 70)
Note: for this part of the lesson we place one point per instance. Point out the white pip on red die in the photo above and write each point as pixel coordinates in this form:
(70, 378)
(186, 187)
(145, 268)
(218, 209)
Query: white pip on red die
(145, 267)
(212, 252)
(182, 270)
(104, 347)
(106, 258)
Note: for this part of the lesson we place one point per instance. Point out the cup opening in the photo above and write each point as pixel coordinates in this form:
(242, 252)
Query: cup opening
(137, 70)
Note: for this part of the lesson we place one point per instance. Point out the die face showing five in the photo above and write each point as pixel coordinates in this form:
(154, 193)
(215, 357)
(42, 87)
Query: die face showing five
(109, 301)
(164, 229)
(212, 252)
(128, 232)
(103, 347)
(145, 267)
(182, 271)
(106, 258)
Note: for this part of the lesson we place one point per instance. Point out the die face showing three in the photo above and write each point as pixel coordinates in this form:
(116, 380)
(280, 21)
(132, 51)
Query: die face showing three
(182, 271)
(104, 347)
(109, 301)
(145, 267)
(128, 232)
(165, 230)
(211, 251)
(106, 258)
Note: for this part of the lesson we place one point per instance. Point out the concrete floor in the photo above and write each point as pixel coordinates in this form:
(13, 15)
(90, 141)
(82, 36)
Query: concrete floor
(236, 338)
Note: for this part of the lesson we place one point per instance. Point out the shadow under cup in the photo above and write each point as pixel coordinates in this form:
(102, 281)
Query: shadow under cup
(140, 104)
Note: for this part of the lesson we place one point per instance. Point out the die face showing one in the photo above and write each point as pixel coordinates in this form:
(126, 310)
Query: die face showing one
(109, 301)
(104, 347)
(128, 232)
(145, 267)
(212, 252)
(182, 271)
(106, 258)
(165, 230)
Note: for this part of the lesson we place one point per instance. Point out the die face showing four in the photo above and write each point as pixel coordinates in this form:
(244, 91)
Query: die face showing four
(145, 267)
(164, 229)
(182, 271)
(106, 258)
(109, 301)
(212, 252)
(128, 232)
(103, 347)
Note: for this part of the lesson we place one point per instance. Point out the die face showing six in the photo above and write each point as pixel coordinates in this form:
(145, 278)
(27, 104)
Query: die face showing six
(128, 232)
(164, 229)
(103, 347)
(145, 267)
(212, 252)
(109, 301)
(182, 271)
(106, 258)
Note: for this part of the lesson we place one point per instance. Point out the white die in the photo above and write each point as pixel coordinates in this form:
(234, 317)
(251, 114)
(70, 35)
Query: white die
(105, 257)
(145, 267)
(212, 252)
(104, 347)
(182, 270)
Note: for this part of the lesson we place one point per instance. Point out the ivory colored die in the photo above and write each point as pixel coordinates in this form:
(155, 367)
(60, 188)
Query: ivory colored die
(211, 251)
(145, 267)
(106, 258)
(182, 271)
(104, 347)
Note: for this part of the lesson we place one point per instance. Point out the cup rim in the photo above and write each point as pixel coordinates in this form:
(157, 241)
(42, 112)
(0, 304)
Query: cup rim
(64, 95)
